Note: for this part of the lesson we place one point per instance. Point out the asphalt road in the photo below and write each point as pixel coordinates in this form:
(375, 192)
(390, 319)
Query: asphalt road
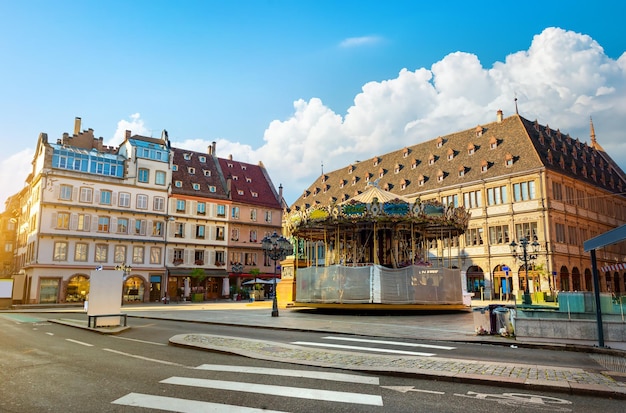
(48, 367)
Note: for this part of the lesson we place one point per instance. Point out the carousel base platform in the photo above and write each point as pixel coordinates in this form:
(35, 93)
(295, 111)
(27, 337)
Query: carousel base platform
(382, 307)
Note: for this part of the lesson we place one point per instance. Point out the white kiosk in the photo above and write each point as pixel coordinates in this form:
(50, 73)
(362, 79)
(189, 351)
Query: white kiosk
(105, 299)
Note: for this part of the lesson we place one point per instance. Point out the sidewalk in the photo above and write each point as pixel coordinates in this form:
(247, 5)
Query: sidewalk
(456, 326)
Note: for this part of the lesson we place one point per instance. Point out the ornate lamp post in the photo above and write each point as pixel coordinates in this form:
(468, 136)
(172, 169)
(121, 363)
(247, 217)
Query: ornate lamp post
(525, 257)
(124, 268)
(276, 247)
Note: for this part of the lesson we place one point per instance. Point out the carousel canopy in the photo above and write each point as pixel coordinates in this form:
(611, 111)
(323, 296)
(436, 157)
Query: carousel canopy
(374, 205)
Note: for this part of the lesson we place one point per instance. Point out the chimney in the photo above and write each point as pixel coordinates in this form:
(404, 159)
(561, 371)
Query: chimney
(499, 116)
(230, 157)
(127, 134)
(76, 126)
(214, 150)
(280, 192)
(209, 150)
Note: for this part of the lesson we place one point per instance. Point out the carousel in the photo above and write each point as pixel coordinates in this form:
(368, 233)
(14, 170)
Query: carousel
(377, 251)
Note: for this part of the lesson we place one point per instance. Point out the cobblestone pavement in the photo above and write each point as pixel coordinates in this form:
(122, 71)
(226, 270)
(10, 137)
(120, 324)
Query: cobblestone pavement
(572, 380)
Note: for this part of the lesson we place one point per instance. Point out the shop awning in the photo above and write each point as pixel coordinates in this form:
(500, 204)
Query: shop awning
(186, 272)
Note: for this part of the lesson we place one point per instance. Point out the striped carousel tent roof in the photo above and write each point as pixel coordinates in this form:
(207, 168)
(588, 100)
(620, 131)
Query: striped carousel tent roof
(372, 192)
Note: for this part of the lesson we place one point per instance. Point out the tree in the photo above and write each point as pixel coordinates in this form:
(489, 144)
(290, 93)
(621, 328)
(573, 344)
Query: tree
(198, 275)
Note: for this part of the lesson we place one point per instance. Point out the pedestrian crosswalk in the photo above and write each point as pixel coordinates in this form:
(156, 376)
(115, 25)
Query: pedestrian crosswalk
(249, 384)
(373, 345)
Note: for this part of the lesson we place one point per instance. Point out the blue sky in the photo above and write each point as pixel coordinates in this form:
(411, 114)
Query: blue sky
(295, 84)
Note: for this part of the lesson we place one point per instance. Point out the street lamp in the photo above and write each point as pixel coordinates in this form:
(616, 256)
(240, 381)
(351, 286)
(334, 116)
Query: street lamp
(276, 247)
(124, 268)
(237, 269)
(525, 257)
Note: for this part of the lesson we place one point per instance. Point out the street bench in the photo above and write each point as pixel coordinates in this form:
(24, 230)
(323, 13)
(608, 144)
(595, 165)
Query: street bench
(96, 316)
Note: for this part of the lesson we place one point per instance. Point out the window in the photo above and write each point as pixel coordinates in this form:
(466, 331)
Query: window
(572, 233)
(159, 203)
(102, 252)
(212, 188)
(234, 234)
(124, 199)
(157, 228)
(144, 175)
(219, 257)
(191, 170)
(65, 193)
(119, 254)
(86, 194)
(221, 211)
(474, 236)
(140, 226)
(159, 178)
(180, 205)
(206, 172)
(557, 191)
(81, 251)
(201, 208)
(180, 230)
(155, 255)
(178, 255)
(138, 254)
(60, 251)
(187, 156)
(523, 191)
(569, 195)
(178, 184)
(103, 224)
(219, 233)
(105, 197)
(174, 168)
(122, 225)
(268, 216)
(472, 199)
(142, 201)
(200, 231)
(450, 200)
(253, 214)
(83, 222)
(198, 257)
(253, 237)
(196, 187)
(526, 230)
(499, 234)
(202, 159)
(63, 220)
(250, 258)
(497, 195)
(235, 212)
(580, 199)
(559, 230)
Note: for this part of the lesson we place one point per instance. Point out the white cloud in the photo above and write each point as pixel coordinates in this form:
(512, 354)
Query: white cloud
(135, 125)
(359, 41)
(14, 171)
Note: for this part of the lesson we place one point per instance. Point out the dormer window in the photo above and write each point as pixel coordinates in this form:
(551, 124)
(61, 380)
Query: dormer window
(186, 156)
(202, 159)
(420, 180)
(542, 141)
(196, 186)
(212, 188)
(396, 168)
(461, 171)
(584, 171)
(405, 152)
(381, 172)
(484, 166)
(254, 194)
(548, 132)
(479, 131)
(206, 172)
(178, 184)
(403, 184)
(376, 161)
(493, 143)
(174, 167)
(230, 165)
(450, 154)
(439, 142)
(354, 181)
(573, 166)
(471, 149)
(240, 191)
(508, 160)
(341, 183)
(350, 169)
(235, 178)
(191, 170)
(431, 159)
(243, 167)
(414, 164)
(324, 178)
(248, 180)
(440, 176)
(387, 187)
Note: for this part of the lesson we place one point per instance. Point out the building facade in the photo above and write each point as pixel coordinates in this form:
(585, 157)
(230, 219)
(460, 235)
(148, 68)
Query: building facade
(519, 180)
(155, 212)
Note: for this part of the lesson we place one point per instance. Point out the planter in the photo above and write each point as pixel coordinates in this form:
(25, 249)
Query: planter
(197, 297)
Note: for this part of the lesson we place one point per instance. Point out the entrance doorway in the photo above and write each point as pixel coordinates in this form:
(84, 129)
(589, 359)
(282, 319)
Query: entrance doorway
(155, 288)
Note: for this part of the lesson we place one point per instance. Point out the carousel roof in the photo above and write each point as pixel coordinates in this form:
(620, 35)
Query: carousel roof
(373, 192)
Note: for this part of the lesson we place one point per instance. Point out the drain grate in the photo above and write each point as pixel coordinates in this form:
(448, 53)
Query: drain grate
(609, 362)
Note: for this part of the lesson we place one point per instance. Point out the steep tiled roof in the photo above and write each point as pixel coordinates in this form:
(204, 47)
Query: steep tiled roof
(249, 183)
(200, 169)
(509, 146)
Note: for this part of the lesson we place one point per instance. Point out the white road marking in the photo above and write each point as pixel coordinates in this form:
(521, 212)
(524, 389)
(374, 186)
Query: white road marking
(169, 363)
(139, 341)
(394, 343)
(50, 334)
(298, 392)
(373, 349)
(172, 404)
(79, 342)
(349, 378)
(404, 389)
